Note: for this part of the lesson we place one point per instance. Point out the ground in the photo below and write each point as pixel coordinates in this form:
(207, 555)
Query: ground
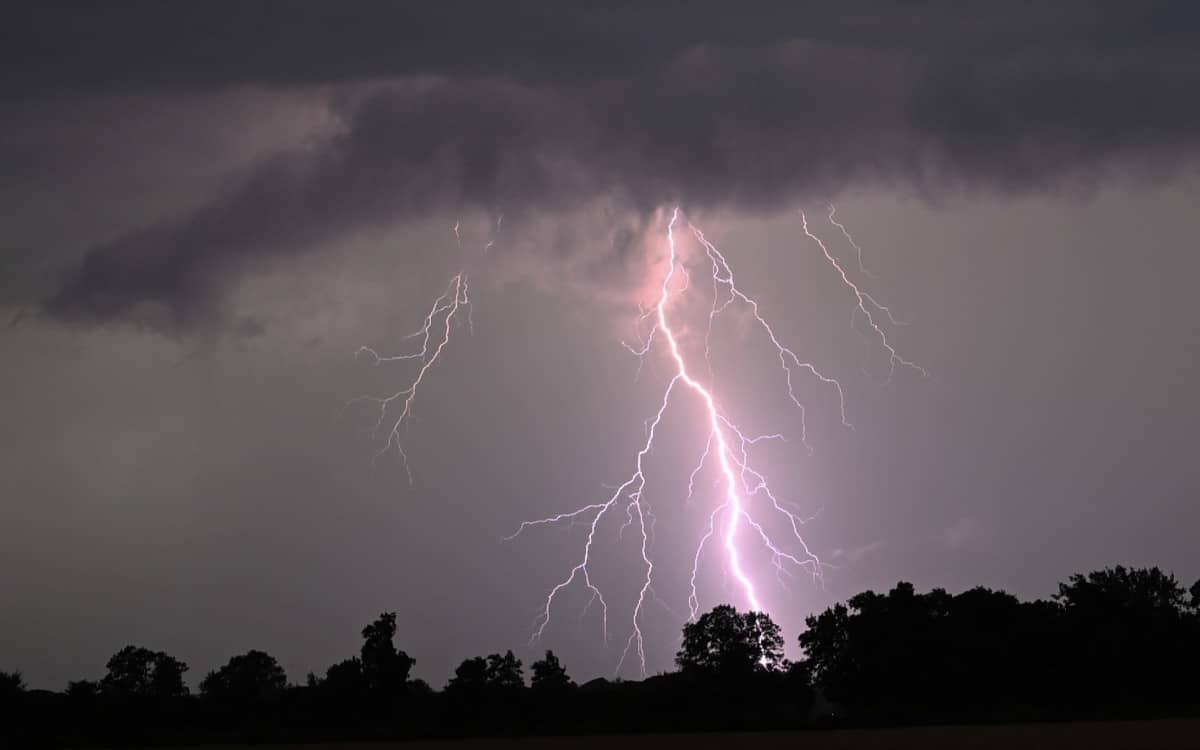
(1135, 735)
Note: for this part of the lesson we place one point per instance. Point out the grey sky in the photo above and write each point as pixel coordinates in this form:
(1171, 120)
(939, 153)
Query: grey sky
(179, 471)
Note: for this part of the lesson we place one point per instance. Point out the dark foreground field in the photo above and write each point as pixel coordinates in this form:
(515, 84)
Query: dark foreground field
(1100, 735)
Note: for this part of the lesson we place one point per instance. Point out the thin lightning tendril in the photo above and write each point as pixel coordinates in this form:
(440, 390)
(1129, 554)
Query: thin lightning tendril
(444, 308)
(846, 233)
(865, 301)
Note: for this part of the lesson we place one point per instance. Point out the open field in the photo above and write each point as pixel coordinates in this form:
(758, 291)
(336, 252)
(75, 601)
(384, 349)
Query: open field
(1135, 735)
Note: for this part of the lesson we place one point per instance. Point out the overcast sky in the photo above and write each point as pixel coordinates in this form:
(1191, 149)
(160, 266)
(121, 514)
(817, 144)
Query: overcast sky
(209, 209)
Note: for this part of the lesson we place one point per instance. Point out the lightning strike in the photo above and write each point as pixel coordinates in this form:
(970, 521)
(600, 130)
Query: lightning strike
(444, 309)
(746, 498)
(741, 483)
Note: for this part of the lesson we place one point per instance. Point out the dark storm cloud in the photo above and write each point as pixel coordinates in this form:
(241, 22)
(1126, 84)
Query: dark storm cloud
(540, 107)
(147, 45)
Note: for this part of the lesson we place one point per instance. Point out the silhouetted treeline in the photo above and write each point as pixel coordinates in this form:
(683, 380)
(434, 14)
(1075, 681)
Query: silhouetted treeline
(1112, 643)
(1116, 642)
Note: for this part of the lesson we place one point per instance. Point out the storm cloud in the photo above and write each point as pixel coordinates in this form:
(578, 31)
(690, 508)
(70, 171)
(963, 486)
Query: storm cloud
(266, 187)
(538, 109)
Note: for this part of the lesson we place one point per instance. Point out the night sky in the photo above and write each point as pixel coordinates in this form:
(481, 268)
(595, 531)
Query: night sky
(208, 208)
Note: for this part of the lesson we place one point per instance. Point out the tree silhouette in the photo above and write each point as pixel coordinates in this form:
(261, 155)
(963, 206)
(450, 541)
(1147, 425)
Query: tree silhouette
(344, 678)
(1141, 614)
(252, 676)
(136, 672)
(471, 676)
(83, 689)
(11, 684)
(479, 674)
(549, 675)
(504, 672)
(384, 668)
(726, 642)
(1114, 643)
(827, 645)
(1122, 591)
(895, 653)
(1115, 640)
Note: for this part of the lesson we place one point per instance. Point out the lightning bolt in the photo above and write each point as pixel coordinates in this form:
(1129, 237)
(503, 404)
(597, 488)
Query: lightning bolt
(746, 498)
(440, 316)
(740, 481)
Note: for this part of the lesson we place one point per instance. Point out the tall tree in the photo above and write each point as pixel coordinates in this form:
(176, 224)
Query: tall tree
(549, 675)
(726, 642)
(384, 667)
(504, 672)
(826, 644)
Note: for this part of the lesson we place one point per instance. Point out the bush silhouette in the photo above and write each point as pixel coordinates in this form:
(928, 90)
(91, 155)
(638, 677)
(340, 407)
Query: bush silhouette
(252, 676)
(136, 672)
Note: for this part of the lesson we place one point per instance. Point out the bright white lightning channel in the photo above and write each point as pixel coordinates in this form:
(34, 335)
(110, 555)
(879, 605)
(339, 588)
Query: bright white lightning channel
(741, 481)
